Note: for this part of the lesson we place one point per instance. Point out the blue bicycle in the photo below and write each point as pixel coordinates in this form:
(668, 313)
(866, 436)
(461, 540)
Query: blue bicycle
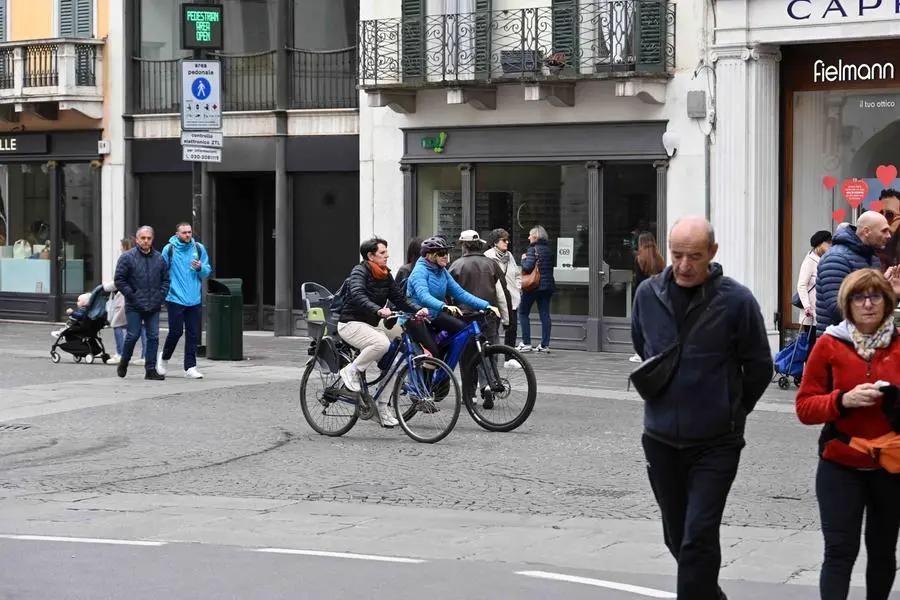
(423, 387)
(499, 386)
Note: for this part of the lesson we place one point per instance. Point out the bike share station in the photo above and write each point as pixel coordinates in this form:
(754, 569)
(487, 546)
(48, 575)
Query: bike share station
(201, 143)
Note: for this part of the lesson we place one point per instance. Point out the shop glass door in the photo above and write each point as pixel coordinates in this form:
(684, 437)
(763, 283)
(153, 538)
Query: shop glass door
(80, 258)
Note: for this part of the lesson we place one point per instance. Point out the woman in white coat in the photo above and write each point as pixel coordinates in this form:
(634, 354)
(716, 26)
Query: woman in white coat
(806, 282)
(499, 251)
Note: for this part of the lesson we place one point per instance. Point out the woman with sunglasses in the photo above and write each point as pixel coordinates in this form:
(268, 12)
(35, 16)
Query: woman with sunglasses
(430, 285)
(850, 374)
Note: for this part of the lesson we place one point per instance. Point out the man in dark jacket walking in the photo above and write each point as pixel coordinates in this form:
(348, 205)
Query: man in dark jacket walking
(853, 248)
(694, 430)
(142, 277)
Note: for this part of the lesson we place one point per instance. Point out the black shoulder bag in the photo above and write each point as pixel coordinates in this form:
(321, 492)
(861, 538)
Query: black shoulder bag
(653, 377)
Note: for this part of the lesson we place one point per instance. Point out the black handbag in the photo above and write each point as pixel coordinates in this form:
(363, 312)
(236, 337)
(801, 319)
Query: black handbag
(795, 301)
(653, 377)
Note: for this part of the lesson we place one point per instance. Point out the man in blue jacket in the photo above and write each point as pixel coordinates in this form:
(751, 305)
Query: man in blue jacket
(188, 266)
(142, 277)
(853, 248)
(694, 430)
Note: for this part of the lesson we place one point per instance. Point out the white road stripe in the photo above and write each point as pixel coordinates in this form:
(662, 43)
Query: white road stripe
(612, 585)
(51, 538)
(392, 559)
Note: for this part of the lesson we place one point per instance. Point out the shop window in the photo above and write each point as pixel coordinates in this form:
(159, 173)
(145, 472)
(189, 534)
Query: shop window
(629, 209)
(81, 228)
(519, 197)
(439, 208)
(25, 229)
(844, 135)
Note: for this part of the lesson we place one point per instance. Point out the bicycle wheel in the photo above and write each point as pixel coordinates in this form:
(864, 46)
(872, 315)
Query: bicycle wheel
(414, 395)
(324, 408)
(510, 402)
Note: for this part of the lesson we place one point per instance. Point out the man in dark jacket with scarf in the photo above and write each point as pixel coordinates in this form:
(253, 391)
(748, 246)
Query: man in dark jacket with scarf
(694, 430)
(853, 248)
(142, 277)
(366, 294)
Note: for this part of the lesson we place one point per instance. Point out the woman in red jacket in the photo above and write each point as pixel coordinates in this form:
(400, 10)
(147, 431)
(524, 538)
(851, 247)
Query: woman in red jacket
(839, 390)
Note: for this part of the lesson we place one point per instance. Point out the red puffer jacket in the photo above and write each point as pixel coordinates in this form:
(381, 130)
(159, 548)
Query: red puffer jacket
(835, 367)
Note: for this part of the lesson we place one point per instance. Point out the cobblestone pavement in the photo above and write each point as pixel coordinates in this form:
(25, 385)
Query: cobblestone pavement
(239, 433)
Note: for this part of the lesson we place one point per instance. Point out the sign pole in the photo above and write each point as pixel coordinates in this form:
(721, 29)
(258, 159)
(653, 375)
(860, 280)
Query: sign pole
(196, 226)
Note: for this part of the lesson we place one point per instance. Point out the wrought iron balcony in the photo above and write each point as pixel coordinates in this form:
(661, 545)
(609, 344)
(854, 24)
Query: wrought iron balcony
(64, 71)
(319, 80)
(595, 39)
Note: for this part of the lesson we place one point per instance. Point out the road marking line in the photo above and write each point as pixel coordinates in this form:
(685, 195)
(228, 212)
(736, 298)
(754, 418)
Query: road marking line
(51, 538)
(392, 559)
(612, 585)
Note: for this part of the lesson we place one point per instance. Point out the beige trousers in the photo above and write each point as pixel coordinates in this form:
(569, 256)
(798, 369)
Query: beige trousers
(371, 342)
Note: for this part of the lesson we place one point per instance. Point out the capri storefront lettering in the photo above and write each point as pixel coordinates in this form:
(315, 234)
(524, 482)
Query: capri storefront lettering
(834, 10)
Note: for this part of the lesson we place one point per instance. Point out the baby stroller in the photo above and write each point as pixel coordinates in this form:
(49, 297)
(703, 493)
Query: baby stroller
(82, 338)
(791, 360)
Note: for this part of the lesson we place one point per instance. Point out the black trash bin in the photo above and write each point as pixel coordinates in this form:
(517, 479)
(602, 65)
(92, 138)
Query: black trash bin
(225, 330)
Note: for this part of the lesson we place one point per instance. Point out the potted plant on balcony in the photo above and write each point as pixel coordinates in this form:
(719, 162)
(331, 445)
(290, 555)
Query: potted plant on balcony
(556, 62)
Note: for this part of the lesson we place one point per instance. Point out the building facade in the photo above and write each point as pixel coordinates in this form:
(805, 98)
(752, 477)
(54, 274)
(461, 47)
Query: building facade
(54, 229)
(479, 114)
(807, 94)
(282, 206)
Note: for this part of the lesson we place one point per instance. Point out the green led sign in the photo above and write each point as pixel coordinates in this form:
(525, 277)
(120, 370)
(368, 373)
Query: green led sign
(201, 26)
(435, 142)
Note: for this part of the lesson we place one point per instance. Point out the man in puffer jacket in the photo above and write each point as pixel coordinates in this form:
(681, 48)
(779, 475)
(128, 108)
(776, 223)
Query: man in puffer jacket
(854, 248)
(142, 277)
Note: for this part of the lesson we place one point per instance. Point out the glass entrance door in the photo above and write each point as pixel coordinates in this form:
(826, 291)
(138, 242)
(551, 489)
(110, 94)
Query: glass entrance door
(629, 201)
(79, 214)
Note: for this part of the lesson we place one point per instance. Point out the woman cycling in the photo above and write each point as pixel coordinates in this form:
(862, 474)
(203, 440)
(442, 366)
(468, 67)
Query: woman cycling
(430, 284)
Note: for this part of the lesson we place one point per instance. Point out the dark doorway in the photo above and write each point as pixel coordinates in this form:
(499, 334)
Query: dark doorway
(245, 245)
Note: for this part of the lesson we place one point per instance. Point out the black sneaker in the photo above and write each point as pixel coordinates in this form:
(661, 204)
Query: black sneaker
(122, 369)
(488, 403)
(154, 376)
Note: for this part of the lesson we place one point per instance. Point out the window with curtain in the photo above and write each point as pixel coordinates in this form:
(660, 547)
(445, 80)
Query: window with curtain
(450, 39)
(249, 25)
(160, 37)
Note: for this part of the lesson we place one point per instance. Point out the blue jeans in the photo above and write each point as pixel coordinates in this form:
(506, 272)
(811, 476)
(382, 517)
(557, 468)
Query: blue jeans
(542, 297)
(119, 332)
(184, 319)
(150, 323)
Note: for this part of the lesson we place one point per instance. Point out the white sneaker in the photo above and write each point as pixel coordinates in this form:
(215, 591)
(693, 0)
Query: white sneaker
(636, 359)
(191, 373)
(114, 359)
(524, 348)
(57, 333)
(386, 418)
(141, 362)
(512, 364)
(350, 378)
(162, 366)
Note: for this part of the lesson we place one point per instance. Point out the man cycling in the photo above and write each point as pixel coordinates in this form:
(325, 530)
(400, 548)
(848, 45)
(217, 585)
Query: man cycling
(366, 293)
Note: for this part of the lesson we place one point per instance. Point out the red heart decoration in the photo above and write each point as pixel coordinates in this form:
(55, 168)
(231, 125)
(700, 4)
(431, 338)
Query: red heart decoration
(839, 215)
(877, 205)
(855, 191)
(829, 181)
(886, 174)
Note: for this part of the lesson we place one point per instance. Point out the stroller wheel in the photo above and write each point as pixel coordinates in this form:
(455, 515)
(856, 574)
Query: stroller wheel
(797, 380)
(54, 356)
(89, 359)
(77, 358)
(783, 382)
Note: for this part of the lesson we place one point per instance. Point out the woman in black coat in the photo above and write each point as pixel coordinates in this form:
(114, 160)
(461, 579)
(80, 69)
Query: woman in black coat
(538, 254)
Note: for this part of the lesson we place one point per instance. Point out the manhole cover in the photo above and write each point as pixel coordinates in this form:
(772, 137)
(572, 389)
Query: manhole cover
(13, 427)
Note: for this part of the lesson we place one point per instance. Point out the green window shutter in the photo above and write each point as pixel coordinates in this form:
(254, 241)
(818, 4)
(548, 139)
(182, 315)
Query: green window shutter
(565, 31)
(412, 33)
(482, 39)
(66, 18)
(650, 35)
(84, 18)
(3, 4)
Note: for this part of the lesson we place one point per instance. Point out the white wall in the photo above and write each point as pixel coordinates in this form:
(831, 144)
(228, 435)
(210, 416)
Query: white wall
(381, 138)
(112, 181)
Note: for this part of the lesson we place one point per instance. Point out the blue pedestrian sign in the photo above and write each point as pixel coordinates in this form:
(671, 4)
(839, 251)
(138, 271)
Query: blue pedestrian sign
(201, 88)
(201, 95)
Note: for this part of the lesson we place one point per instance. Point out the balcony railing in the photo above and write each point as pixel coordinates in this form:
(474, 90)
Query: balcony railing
(318, 80)
(47, 70)
(592, 40)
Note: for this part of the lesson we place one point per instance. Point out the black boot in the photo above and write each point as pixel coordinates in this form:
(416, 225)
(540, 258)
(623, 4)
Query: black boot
(154, 376)
(122, 369)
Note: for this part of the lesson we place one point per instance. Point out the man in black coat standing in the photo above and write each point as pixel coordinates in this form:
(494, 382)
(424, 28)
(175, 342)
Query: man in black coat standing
(694, 427)
(143, 278)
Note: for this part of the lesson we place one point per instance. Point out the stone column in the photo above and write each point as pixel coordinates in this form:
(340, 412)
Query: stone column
(594, 326)
(409, 203)
(662, 182)
(745, 171)
(467, 181)
(284, 221)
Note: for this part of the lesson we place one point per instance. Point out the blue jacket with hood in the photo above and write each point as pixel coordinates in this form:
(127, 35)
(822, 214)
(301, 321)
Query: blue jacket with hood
(848, 254)
(429, 284)
(185, 280)
(726, 362)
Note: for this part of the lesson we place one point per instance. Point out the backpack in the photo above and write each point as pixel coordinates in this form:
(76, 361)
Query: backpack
(197, 247)
(337, 301)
